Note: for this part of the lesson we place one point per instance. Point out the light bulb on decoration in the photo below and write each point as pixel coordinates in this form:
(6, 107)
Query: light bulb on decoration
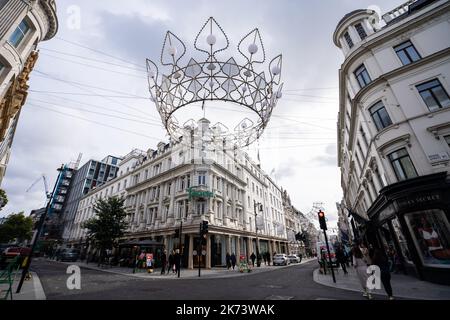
(172, 51)
(276, 70)
(211, 39)
(253, 48)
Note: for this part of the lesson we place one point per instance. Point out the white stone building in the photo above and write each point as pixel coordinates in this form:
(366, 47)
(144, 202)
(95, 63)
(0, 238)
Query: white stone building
(189, 183)
(394, 130)
(23, 24)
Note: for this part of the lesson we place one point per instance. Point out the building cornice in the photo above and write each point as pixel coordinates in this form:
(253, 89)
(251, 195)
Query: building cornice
(50, 9)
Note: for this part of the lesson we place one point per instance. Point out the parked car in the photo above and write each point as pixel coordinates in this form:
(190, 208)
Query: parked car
(281, 259)
(293, 258)
(68, 255)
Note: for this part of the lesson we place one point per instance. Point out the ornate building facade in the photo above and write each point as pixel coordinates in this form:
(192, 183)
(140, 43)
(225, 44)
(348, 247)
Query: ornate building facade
(23, 24)
(187, 183)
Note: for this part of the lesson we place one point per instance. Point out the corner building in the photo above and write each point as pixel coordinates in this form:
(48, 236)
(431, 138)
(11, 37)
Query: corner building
(394, 131)
(198, 179)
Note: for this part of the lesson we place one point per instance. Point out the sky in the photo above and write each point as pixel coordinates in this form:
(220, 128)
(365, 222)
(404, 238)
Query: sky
(88, 92)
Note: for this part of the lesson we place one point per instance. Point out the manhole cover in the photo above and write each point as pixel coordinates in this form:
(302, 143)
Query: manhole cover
(279, 298)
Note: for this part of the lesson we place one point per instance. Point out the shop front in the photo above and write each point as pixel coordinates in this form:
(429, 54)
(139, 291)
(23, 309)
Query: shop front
(412, 217)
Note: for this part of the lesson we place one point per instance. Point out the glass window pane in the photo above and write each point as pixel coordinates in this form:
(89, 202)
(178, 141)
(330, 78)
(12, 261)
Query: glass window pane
(441, 95)
(408, 167)
(413, 53)
(403, 57)
(429, 100)
(377, 121)
(428, 85)
(447, 139)
(386, 120)
(430, 231)
(366, 76)
(402, 46)
(398, 170)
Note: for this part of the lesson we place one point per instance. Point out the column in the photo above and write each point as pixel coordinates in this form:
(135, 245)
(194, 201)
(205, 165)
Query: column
(166, 244)
(238, 248)
(249, 248)
(191, 247)
(228, 244)
(270, 250)
(208, 251)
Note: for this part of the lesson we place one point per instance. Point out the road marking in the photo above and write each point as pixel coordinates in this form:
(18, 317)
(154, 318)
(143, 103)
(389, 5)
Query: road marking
(279, 298)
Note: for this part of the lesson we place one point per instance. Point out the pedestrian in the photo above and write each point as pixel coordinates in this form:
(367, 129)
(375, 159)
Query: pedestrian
(381, 260)
(177, 261)
(163, 262)
(268, 258)
(171, 262)
(233, 260)
(391, 257)
(361, 264)
(228, 261)
(340, 258)
(265, 258)
(253, 258)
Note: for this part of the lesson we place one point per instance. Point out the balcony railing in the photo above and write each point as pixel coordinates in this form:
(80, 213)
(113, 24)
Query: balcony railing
(398, 11)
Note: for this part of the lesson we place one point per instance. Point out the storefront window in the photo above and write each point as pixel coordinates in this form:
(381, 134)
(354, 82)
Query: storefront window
(431, 233)
(401, 239)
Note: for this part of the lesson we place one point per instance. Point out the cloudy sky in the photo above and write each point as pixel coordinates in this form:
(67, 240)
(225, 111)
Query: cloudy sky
(88, 93)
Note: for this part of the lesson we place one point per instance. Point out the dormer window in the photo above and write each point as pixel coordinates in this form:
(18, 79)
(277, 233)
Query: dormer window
(361, 32)
(349, 40)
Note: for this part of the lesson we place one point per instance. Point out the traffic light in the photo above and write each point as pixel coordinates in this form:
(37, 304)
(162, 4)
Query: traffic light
(204, 227)
(177, 233)
(322, 221)
(203, 240)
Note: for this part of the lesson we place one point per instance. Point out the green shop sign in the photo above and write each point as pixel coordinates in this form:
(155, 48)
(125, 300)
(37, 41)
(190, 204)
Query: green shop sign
(199, 194)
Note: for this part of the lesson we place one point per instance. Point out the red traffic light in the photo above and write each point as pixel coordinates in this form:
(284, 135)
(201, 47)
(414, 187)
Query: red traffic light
(322, 221)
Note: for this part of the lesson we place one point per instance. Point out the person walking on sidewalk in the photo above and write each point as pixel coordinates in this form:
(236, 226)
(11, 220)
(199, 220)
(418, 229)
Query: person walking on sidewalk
(171, 262)
(340, 257)
(177, 260)
(380, 259)
(360, 264)
(253, 258)
(163, 262)
(228, 261)
(233, 260)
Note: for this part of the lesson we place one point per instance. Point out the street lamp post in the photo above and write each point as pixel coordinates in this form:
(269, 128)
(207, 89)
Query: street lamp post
(255, 205)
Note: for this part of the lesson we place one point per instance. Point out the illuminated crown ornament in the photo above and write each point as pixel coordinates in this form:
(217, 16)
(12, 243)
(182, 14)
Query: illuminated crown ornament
(213, 80)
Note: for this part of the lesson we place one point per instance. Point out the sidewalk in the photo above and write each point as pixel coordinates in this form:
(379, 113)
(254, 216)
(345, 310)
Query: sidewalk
(184, 274)
(403, 286)
(31, 289)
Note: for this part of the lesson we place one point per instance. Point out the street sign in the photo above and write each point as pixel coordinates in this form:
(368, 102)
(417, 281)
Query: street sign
(194, 252)
(203, 252)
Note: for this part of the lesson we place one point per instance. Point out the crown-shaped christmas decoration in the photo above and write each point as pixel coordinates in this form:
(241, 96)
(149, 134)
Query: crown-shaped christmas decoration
(212, 79)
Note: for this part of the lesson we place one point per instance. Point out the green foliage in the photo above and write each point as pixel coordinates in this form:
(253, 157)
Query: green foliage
(3, 199)
(109, 222)
(16, 227)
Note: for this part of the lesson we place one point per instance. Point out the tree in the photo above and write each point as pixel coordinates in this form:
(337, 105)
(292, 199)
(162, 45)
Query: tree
(109, 223)
(16, 227)
(3, 199)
